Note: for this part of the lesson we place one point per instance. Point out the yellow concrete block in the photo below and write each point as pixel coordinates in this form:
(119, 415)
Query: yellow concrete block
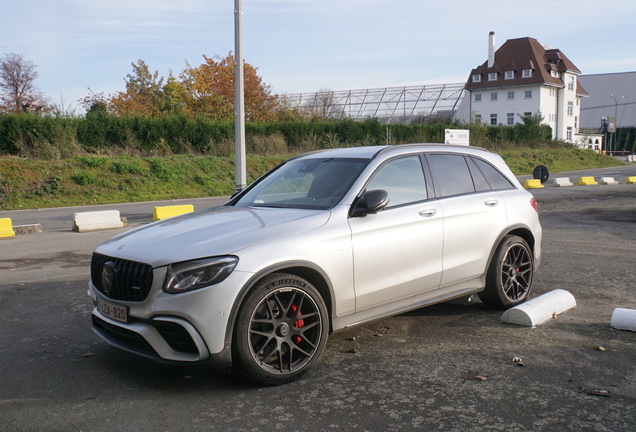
(166, 212)
(533, 184)
(6, 228)
(587, 181)
(631, 180)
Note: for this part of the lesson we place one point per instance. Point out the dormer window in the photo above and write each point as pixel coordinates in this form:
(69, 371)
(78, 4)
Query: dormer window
(509, 75)
(555, 74)
(492, 76)
(476, 78)
(526, 73)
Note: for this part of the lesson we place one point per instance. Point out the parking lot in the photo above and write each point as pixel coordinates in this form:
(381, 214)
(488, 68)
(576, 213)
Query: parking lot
(448, 367)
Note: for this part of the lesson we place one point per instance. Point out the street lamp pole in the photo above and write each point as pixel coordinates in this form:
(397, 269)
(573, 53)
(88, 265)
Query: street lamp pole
(239, 100)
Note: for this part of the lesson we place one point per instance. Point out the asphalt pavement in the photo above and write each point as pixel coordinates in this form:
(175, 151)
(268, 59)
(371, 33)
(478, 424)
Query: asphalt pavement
(444, 368)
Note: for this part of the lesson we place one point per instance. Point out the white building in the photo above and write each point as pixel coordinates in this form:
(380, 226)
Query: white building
(524, 78)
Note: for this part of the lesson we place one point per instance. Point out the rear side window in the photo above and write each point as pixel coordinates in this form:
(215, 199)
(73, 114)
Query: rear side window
(403, 179)
(480, 182)
(495, 179)
(451, 174)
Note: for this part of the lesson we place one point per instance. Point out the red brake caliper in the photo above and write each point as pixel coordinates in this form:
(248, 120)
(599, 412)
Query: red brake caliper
(298, 324)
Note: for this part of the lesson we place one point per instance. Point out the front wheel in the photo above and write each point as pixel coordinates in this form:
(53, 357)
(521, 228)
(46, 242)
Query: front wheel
(509, 278)
(281, 330)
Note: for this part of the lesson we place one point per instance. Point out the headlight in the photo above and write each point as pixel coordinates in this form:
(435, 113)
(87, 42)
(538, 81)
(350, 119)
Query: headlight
(192, 275)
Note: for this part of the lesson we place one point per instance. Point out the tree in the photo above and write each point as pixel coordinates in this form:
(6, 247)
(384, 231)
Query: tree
(143, 95)
(209, 90)
(18, 92)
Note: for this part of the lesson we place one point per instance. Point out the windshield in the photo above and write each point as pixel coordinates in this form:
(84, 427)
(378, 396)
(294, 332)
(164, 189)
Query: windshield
(305, 183)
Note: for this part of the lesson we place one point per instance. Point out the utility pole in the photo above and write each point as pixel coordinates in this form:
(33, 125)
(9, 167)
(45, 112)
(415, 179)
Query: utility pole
(239, 99)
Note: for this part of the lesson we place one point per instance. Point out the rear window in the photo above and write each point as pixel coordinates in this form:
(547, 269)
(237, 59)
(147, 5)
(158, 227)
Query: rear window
(495, 179)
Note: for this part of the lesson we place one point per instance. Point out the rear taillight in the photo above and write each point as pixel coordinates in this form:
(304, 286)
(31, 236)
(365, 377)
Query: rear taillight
(534, 204)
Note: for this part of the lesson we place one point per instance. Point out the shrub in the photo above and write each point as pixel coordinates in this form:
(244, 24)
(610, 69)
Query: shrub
(84, 178)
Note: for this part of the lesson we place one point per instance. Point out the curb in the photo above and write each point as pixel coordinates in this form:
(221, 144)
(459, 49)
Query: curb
(166, 212)
(587, 181)
(561, 182)
(623, 319)
(97, 220)
(540, 309)
(6, 228)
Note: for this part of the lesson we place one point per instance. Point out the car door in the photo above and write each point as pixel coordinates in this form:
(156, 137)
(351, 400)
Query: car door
(474, 216)
(397, 252)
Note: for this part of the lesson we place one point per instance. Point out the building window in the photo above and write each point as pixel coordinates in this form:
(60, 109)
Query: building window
(476, 78)
(477, 118)
(509, 75)
(492, 76)
(511, 95)
(478, 97)
(493, 97)
(526, 73)
(569, 134)
(554, 74)
(571, 82)
(570, 108)
(527, 114)
(511, 118)
(528, 94)
(493, 119)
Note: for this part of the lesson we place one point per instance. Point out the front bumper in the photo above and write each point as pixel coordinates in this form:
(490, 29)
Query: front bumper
(191, 328)
(162, 339)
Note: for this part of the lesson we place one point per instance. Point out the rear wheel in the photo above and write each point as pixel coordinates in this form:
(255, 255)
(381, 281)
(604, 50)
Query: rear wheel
(509, 278)
(281, 330)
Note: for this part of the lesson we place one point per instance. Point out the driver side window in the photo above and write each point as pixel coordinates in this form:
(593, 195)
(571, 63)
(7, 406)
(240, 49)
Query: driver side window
(403, 179)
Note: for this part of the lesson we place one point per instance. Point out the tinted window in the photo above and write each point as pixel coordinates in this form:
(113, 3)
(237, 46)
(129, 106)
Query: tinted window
(496, 179)
(451, 174)
(403, 179)
(478, 178)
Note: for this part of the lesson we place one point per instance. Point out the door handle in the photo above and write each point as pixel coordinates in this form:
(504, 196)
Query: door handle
(491, 203)
(428, 212)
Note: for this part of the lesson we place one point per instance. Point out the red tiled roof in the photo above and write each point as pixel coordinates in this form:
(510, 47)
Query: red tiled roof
(524, 53)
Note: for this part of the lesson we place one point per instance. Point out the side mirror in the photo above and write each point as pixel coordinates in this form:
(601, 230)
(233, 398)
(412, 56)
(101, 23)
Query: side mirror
(370, 202)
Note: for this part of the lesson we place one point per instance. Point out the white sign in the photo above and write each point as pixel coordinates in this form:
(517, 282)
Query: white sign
(457, 136)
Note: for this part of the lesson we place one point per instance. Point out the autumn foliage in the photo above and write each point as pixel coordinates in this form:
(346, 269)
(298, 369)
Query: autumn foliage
(203, 91)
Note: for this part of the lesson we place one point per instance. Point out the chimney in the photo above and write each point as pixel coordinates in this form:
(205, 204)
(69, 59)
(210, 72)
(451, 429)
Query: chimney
(491, 49)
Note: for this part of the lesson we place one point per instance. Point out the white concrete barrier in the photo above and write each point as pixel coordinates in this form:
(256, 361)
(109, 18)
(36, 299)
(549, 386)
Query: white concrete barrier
(624, 319)
(540, 309)
(608, 181)
(561, 182)
(97, 220)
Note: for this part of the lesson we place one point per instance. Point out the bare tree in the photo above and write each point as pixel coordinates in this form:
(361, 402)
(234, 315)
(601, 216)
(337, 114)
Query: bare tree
(17, 89)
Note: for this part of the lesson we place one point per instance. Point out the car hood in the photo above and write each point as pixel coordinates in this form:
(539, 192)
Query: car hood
(217, 231)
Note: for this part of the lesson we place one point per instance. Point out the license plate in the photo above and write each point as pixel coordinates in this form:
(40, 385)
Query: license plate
(112, 311)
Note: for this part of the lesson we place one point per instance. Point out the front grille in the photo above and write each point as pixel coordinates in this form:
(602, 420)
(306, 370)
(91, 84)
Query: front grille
(131, 280)
(123, 337)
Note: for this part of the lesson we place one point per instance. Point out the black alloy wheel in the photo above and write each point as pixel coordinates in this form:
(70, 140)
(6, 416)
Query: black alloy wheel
(281, 330)
(509, 278)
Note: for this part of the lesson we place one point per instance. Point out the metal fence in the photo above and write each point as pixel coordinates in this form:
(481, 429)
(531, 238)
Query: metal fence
(389, 104)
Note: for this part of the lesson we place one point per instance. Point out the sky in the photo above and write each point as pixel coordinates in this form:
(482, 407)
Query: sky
(299, 46)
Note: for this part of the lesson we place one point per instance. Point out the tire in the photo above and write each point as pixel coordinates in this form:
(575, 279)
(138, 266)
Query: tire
(509, 277)
(281, 330)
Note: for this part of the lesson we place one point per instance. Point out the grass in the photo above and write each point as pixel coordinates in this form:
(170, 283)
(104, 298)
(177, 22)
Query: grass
(95, 179)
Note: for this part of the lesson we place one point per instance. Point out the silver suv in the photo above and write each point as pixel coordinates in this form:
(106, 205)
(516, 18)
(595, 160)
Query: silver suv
(325, 241)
